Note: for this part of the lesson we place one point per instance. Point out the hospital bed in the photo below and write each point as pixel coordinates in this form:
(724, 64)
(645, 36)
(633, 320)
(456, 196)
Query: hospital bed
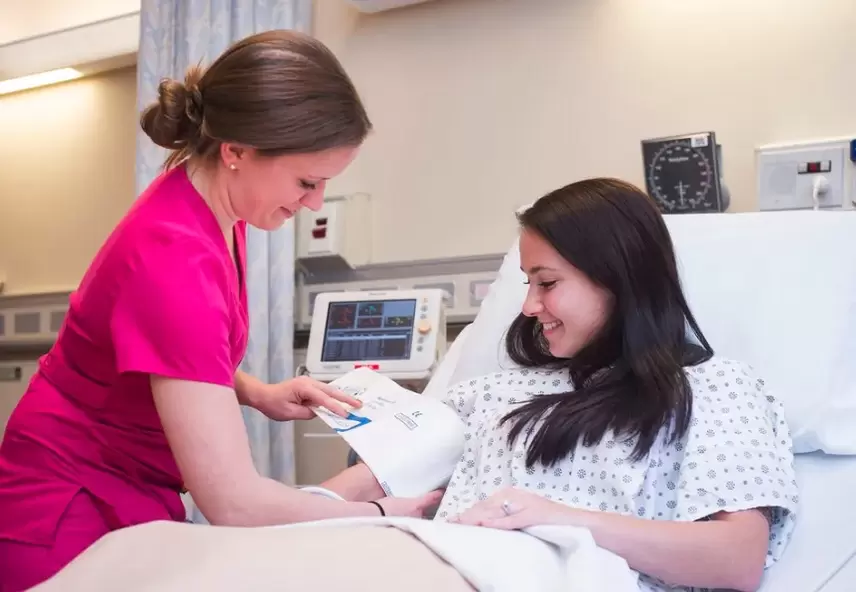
(777, 290)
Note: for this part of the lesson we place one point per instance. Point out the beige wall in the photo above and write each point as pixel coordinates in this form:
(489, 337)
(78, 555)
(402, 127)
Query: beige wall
(37, 17)
(67, 177)
(482, 105)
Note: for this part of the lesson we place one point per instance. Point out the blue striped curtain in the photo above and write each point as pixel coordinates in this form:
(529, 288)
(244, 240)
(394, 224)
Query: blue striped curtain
(176, 34)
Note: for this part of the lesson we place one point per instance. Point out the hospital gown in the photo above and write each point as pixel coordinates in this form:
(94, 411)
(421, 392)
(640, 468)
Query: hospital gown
(735, 456)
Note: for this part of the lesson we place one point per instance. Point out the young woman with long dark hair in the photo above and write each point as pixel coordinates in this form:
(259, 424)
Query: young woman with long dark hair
(619, 417)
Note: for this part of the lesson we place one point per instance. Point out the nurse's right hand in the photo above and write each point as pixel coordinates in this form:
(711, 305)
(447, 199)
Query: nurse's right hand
(411, 507)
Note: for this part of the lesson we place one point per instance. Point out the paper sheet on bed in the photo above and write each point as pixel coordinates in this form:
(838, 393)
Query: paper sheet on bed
(393, 428)
(543, 558)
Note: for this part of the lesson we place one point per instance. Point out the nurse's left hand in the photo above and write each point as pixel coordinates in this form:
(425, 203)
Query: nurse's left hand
(294, 399)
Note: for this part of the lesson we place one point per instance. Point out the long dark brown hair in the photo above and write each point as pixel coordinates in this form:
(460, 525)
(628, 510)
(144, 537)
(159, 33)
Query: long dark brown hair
(629, 379)
(281, 92)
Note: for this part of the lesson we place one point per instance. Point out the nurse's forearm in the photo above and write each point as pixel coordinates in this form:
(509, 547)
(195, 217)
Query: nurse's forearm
(208, 439)
(248, 388)
(265, 502)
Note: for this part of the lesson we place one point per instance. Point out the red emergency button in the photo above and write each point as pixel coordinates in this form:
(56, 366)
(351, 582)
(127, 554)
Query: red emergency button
(369, 366)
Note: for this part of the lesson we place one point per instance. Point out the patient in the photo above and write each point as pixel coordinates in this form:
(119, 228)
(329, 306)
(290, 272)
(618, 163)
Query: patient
(620, 418)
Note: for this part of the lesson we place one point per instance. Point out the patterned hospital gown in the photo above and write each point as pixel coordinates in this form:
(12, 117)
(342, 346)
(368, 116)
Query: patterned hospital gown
(735, 456)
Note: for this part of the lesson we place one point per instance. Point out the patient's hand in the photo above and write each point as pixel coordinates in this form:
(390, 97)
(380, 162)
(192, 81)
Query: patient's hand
(513, 509)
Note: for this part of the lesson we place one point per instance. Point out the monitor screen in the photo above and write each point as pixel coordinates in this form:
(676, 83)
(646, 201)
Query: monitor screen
(368, 330)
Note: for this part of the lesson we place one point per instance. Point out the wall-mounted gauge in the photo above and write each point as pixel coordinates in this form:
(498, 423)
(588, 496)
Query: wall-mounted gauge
(682, 173)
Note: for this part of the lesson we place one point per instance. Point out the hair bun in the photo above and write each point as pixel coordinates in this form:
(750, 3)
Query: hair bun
(278, 91)
(175, 119)
(193, 105)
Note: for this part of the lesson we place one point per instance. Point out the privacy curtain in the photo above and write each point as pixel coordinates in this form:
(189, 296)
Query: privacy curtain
(176, 34)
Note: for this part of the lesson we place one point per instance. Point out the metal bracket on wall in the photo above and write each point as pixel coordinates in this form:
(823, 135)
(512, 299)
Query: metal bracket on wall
(31, 321)
(465, 279)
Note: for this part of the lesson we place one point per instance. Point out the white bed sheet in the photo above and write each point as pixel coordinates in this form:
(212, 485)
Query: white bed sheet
(822, 554)
(844, 580)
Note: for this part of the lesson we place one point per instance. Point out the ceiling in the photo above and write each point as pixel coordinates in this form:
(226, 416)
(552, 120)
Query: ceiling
(31, 18)
(42, 35)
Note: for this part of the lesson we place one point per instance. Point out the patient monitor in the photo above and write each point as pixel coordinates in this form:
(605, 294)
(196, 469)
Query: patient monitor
(398, 333)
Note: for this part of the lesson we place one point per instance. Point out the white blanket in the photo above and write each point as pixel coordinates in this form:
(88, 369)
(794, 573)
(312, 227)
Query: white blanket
(543, 558)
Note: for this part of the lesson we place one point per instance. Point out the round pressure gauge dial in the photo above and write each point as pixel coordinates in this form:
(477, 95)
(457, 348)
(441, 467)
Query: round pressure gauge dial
(681, 174)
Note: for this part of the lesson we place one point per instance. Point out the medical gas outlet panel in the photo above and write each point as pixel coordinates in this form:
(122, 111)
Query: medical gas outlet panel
(337, 236)
(819, 175)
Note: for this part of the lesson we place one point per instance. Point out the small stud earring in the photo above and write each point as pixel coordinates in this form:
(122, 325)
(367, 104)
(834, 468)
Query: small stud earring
(233, 167)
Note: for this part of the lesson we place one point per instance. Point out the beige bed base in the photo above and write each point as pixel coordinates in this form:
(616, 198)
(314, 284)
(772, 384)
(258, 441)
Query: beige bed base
(173, 557)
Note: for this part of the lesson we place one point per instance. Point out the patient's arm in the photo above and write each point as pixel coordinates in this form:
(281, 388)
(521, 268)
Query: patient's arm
(461, 397)
(356, 484)
(728, 551)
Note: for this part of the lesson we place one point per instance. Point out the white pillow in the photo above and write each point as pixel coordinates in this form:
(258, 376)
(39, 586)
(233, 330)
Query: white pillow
(441, 377)
(482, 350)
(774, 289)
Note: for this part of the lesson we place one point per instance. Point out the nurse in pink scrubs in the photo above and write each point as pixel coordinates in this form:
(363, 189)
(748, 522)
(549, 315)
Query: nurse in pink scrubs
(140, 396)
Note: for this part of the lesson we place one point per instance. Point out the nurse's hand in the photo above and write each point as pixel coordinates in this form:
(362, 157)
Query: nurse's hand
(294, 399)
(411, 507)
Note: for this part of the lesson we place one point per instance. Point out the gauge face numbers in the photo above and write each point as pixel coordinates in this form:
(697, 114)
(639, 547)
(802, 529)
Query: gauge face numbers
(681, 176)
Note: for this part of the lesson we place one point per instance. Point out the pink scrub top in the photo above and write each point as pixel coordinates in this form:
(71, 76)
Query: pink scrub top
(163, 297)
